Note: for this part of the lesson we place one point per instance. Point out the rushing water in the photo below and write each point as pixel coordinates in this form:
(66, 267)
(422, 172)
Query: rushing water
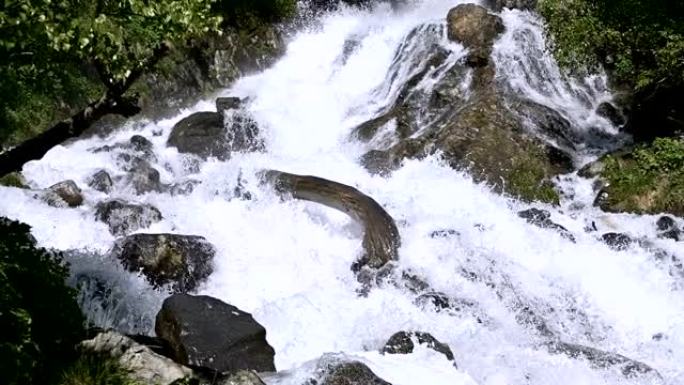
(288, 263)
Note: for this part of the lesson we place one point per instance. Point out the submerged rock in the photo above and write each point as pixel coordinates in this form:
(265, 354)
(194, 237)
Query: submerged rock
(101, 181)
(542, 218)
(227, 103)
(668, 228)
(601, 359)
(63, 194)
(617, 241)
(182, 261)
(124, 218)
(334, 371)
(208, 333)
(404, 343)
(142, 177)
(141, 363)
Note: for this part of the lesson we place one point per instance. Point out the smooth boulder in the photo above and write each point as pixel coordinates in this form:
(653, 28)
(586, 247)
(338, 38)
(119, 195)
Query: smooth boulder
(124, 218)
(181, 261)
(142, 177)
(333, 371)
(475, 28)
(208, 333)
(202, 133)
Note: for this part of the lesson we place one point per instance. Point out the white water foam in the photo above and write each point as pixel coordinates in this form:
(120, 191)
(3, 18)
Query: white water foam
(288, 263)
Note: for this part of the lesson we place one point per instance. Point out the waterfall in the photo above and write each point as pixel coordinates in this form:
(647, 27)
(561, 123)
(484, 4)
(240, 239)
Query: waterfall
(288, 262)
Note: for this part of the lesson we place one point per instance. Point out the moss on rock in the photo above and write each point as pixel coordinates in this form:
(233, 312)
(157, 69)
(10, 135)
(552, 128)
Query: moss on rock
(647, 180)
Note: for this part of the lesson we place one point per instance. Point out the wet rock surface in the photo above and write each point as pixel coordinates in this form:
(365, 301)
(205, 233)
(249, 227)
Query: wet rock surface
(602, 359)
(101, 181)
(208, 333)
(334, 371)
(63, 194)
(180, 261)
(404, 343)
(123, 217)
(542, 218)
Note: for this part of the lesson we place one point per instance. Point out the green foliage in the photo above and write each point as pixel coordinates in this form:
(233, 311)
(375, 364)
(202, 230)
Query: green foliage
(96, 370)
(249, 14)
(648, 180)
(39, 317)
(640, 41)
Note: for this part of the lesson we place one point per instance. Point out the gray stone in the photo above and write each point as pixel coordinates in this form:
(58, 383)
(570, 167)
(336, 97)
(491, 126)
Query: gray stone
(227, 103)
(208, 333)
(601, 359)
(143, 178)
(336, 372)
(101, 181)
(140, 361)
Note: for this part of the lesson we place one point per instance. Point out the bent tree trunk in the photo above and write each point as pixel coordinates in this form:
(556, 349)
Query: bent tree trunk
(34, 148)
(381, 237)
(112, 102)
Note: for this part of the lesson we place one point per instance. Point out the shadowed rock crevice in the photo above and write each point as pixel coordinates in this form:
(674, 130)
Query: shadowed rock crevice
(381, 237)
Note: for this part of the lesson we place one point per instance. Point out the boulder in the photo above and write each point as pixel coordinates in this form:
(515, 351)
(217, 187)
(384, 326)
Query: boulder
(617, 241)
(337, 372)
(101, 181)
(208, 333)
(141, 363)
(542, 218)
(668, 228)
(63, 194)
(182, 261)
(475, 28)
(124, 218)
(404, 343)
(202, 134)
(242, 377)
(216, 134)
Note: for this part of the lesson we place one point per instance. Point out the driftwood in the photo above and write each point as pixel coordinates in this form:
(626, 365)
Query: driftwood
(381, 236)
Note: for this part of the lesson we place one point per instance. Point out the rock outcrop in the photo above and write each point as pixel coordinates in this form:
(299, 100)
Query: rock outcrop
(208, 333)
(485, 129)
(181, 261)
(124, 218)
(101, 181)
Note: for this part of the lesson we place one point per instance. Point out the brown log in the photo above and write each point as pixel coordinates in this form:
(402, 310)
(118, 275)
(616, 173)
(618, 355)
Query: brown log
(381, 237)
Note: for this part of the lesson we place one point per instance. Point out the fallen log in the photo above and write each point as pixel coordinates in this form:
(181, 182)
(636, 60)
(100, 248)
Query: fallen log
(381, 237)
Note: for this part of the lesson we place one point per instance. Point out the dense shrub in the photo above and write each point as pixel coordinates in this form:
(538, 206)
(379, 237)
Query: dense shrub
(40, 322)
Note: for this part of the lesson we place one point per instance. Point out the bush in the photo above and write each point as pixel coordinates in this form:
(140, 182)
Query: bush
(95, 370)
(39, 317)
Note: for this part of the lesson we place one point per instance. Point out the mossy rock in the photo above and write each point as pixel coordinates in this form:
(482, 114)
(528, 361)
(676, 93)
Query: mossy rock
(647, 180)
(13, 179)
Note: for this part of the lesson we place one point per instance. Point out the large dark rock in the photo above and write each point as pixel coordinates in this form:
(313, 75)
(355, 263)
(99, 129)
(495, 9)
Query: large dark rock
(336, 372)
(182, 261)
(124, 218)
(208, 333)
(201, 133)
(542, 218)
(227, 103)
(403, 343)
(63, 194)
(214, 134)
